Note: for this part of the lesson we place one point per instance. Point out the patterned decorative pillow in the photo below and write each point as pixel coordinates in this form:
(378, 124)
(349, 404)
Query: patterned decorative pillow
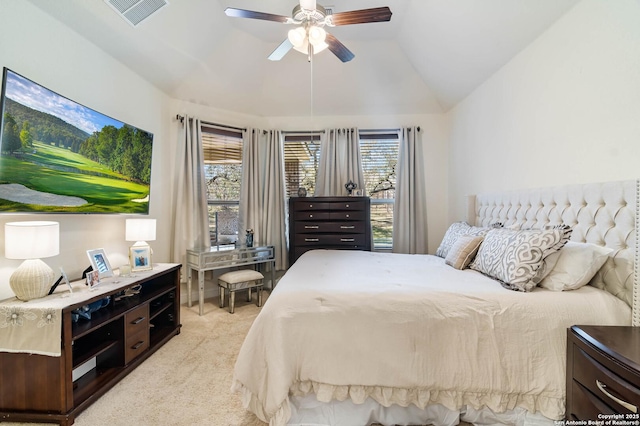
(458, 229)
(514, 257)
(463, 251)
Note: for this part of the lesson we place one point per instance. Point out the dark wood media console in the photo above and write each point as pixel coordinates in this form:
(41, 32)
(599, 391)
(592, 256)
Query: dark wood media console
(117, 338)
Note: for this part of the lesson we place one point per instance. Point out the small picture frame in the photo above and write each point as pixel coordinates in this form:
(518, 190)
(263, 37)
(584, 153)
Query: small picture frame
(140, 258)
(66, 279)
(93, 279)
(358, 193)
(100, 263)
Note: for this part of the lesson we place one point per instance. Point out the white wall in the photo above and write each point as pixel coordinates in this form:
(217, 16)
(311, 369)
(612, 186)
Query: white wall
(565, 110)
(47, 52)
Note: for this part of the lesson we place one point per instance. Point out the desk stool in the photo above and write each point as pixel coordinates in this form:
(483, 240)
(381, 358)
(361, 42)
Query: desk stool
(244, 279)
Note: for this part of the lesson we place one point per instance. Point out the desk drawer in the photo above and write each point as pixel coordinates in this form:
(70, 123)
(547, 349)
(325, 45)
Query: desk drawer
(612, 389)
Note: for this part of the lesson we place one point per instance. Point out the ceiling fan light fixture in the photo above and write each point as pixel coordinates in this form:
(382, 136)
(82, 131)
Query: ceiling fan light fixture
(317, 35)
(297, 37)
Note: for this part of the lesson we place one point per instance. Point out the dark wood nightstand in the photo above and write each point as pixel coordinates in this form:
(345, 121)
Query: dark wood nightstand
(603, 373)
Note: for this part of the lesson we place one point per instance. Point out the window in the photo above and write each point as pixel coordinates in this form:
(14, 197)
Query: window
(301, 155)
(223, 173)
(379, 152)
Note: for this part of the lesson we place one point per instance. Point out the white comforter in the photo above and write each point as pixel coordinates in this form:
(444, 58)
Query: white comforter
(408, 329)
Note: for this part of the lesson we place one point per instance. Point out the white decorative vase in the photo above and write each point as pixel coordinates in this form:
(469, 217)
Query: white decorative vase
(32, 280)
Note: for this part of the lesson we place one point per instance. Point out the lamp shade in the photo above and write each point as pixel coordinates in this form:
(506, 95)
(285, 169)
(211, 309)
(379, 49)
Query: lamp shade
(140, 230)
(31, 240)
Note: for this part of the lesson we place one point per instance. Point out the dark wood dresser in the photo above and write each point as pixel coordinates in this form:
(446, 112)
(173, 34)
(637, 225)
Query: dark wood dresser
(328, 223)
(603, 373)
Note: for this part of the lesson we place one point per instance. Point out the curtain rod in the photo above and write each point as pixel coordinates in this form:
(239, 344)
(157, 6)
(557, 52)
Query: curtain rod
(209, 123)
(384, 130)
(301, 132)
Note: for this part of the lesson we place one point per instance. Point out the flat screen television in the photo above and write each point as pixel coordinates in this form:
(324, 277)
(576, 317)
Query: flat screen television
(57, 156)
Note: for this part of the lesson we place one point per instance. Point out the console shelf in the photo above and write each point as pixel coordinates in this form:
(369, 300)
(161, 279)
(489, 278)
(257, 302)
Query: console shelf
(100, 351)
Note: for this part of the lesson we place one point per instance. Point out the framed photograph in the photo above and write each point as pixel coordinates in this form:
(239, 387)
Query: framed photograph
(93, 279)
(358, 192)
(100, 263)
(140, 258)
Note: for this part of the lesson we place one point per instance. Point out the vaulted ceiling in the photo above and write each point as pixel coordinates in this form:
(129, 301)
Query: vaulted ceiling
(430, 56)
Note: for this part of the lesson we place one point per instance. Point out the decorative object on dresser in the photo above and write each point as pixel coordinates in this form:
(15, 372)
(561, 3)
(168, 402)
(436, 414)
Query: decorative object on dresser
(31, 241)
(328, 223)
(603, 372)
(57, 367)
(100, 263)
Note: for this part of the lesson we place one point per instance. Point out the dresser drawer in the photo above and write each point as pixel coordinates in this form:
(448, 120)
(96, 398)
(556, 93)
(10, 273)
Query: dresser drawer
(347, 215)
(311, 215)
(606, 385)
(311, 206)
(330, 240)
(135, 344)
(330, 227)
(586, 406)
(348, 205)
(137, 320)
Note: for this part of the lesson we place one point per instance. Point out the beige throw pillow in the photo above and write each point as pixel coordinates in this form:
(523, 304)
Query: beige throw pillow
(463, 251)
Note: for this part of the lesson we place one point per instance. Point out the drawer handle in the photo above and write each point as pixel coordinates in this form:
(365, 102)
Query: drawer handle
(347, 227)
(347, 215)
(311, 227)
(137, 321)
(310, 215)
(625, 404)
(137, 345)
(347, 240)
(347, 206)
(312, 240)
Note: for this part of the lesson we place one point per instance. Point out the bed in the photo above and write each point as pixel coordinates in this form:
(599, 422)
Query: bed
(355, 338)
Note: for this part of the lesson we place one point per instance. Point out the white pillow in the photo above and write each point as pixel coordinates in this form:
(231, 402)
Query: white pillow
(577, 264)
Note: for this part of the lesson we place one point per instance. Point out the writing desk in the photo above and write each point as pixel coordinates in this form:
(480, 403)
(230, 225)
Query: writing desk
(223, 257)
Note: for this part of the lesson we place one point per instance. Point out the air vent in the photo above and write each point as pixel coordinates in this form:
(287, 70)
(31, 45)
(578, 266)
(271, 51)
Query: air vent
(136, 11)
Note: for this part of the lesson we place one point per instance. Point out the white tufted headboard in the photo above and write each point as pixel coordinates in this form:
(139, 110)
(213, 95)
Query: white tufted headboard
(600, 213)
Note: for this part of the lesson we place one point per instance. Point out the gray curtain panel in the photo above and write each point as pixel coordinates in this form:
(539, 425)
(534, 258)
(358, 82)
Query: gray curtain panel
(262, 191)
(410, 207)
(340, 162)
(191, 227)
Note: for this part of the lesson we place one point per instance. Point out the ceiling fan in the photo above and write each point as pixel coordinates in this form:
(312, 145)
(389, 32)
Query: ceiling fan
(309, 36)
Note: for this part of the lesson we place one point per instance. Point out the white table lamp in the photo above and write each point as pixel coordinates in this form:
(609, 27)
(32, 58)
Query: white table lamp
(31, 241)
(140, 231)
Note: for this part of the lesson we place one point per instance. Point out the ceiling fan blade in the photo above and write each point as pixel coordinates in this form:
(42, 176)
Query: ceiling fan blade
(377, 14)
(281, 50)
(241, 13)
(339, 49)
